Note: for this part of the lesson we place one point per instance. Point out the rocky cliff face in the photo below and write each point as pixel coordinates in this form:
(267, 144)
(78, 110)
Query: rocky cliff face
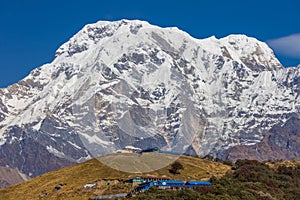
(131, 83)
(281, 142)
(9, 176)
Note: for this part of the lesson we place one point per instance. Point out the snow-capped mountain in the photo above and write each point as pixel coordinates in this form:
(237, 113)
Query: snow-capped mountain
(123, 83)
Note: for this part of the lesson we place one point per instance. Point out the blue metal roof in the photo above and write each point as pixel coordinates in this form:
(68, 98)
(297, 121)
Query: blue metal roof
(198, 183)
(171, 183)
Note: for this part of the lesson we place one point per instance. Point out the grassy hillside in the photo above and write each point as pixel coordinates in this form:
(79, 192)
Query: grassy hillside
(67, 183)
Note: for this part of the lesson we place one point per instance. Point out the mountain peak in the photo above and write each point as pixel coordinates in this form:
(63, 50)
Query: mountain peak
(92, 33)
(115, 84)
(254, 54)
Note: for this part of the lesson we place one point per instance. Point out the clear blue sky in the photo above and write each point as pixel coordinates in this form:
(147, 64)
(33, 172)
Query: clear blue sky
(32, 30)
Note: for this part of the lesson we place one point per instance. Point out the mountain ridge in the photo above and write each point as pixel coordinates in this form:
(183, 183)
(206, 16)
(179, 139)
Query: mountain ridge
(131, 83)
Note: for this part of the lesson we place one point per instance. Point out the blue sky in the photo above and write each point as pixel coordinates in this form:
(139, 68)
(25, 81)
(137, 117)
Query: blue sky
(32, 30)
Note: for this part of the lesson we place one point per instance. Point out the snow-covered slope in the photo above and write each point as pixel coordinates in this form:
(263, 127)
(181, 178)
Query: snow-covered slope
(131, 83)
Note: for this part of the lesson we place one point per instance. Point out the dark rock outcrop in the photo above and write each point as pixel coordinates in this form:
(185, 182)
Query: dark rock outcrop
(281, 142)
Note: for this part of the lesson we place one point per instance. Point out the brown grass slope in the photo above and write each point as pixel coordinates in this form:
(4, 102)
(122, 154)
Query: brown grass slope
(67, 183)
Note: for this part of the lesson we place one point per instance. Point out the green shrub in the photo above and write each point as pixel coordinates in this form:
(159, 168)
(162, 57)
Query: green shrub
(250, 180)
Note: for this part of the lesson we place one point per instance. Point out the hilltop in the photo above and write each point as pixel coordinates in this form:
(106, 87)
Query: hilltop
(246, 179)
(68, 182)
